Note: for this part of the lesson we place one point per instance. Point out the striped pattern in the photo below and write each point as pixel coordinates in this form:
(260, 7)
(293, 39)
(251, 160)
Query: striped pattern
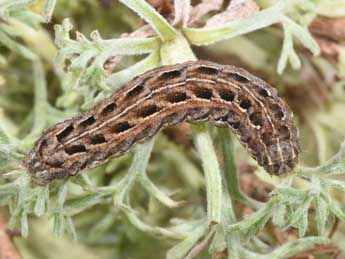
(194, 91)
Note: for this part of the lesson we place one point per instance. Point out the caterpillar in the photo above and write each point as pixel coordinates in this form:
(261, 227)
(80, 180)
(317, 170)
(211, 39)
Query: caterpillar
(193, 91)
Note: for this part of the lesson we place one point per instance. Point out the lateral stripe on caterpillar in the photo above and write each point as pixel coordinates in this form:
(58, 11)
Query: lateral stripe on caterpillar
(192, 91)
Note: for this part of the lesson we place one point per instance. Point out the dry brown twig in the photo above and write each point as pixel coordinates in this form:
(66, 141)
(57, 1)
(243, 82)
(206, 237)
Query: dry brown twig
(7, 248)
(330, 250)
(334, 228)
(164, 7)
(202, 9)
(197, 249)
(252, 185)
(331, 28)
(330, 49)
(328, 32)
(237, 9)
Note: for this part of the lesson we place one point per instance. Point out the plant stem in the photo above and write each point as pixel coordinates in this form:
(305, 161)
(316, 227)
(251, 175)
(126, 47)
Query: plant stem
(205, 148)
(230, 170)
(178, 51)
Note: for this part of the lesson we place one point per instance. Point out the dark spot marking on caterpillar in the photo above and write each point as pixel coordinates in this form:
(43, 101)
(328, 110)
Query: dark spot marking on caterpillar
(109, 108)
(227, 95)
(238, 78)
(121, 127)
(208, 70)
(168, 75)
(148, 110)
(268, 138)
(256, 118)
(245, 104)
(63, 134)
(234, 124)
(136, 90)
(83, 165)
(88, 122)
(274, 107)
(176, 97)
(263, 92)
(74, 149)
(284, 133)
(98, 139)
(278, 113)
(203, 93)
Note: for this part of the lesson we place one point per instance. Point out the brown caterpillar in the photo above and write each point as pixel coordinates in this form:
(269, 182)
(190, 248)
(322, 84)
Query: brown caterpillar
(193, 91)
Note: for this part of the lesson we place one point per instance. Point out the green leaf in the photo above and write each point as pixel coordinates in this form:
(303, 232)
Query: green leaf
(337, 210)
(87, 58)
(24, 226)
(4, 139)
(102, 226)
(185, 168)
(156, 192)
(71, 228)
(302, 34)
(41, 99)
(148, 13)
(279, 216)
(336, 184)
(288, 53)
(254, 222)
(321, 211)
(256, 225)
(17, 214)
(265, 18)
(58, 224)
(149, 229)
(61, 195)
(41, 201)
(300, 216)
(76, 205)
(9, 188)
(180, 250)
(331, 8)
(294, 247)
(232, 239)
(291, 195)
(16, 47)
(48, 9)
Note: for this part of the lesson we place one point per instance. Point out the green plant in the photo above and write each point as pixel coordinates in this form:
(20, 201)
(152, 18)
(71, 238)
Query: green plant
(119, 189)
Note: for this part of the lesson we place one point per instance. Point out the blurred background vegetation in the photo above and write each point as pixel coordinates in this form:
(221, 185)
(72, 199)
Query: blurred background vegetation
(58, 58)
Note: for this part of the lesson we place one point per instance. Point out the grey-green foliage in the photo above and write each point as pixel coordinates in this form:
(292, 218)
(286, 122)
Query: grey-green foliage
(87, 58)
(84, 81)
(17, 10)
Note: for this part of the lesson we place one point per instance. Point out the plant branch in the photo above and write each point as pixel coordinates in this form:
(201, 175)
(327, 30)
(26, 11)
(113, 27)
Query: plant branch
(147, 12)
(7, 248)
